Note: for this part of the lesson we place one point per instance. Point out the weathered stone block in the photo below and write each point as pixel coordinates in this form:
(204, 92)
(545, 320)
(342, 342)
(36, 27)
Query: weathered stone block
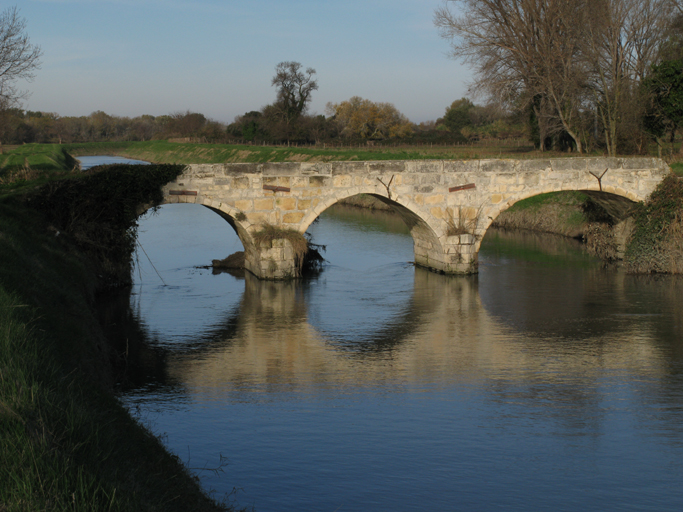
(343, 180)
(293, 218)
(435, 199)
(387, 166)
(318, 181)
(506, 179)
(299, 182)
(259, 218)
(438, 212)
(286, 203)
(460, 166)
(497, 166)
(241, 183)
(244, 204)
(533, 166)
(263, 204)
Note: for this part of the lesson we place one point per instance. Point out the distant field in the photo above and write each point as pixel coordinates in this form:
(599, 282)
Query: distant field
(43, 159)
(185, 153)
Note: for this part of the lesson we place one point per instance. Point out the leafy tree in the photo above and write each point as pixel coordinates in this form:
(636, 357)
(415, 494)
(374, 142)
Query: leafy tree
(18, 57)
(248, 126)
(366, 119)
(458, 115)
(665, 88)
(186, 124)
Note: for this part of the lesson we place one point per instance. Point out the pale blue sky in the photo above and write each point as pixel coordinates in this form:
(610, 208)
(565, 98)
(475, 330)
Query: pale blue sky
(217, 57)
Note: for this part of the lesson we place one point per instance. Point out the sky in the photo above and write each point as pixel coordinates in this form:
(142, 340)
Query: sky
(217, 57)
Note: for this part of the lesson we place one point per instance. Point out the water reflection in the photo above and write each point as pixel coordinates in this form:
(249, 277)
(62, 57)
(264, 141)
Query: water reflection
(544, 375)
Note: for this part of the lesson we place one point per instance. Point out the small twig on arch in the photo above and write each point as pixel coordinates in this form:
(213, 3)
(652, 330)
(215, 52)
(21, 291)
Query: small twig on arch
(387, 186)
(600, 177)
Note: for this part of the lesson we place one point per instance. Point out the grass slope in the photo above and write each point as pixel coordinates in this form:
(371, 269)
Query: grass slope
(40, 157)
(562, 213)
(65, 441)
(186, 153)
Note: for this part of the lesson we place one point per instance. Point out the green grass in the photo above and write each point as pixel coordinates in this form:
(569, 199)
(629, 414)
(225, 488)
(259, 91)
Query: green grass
(41, 157)
(571, 198)
(677, 168)
(186, 153)
(65, 441)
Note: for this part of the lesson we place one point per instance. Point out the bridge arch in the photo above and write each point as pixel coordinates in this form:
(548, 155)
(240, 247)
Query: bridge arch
(425, 237)
(227, 213)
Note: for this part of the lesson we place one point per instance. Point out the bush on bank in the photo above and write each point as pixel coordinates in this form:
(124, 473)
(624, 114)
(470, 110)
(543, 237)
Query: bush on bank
(65, 441)
(98, 211)
(656, 244)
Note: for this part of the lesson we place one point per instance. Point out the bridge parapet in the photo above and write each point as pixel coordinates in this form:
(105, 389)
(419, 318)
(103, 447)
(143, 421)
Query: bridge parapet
(447, 204)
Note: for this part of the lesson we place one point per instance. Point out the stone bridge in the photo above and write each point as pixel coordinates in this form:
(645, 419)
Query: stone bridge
(448, 205)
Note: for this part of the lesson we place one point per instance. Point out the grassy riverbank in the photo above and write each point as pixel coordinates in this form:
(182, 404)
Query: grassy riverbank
(562, 213)
(50, 158)
(185, 153)
(65, 441)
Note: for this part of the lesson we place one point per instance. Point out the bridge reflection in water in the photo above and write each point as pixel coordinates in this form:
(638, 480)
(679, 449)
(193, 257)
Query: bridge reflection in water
(443, 335)
(508, 390)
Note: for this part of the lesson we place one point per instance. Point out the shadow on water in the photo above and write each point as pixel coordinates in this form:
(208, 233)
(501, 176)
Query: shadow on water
(545, 362)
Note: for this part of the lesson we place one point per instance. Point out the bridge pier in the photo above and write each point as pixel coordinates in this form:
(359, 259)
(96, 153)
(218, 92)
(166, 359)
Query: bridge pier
(272, 260)
(457, 254)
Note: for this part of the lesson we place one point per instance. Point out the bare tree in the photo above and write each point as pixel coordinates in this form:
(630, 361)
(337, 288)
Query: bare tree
(294, 89)
(524, 52)
(624, 38)
(18, 57)
(566, 60)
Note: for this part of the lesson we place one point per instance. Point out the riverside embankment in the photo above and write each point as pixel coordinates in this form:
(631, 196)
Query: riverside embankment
(66, 443)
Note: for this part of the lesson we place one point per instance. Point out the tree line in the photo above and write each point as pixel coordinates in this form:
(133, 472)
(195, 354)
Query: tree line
(580, 75)
(587, 74)
(356, 120)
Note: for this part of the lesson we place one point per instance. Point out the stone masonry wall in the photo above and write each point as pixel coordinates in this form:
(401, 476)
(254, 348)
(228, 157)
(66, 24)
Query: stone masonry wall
(448, 205)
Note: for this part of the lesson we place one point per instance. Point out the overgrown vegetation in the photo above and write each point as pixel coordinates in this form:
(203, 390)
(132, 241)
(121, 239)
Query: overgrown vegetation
(677, 168)
(464, 222)
(98, 212)
(657, 241)
(269, 233)
(65, 441)
(307, 255)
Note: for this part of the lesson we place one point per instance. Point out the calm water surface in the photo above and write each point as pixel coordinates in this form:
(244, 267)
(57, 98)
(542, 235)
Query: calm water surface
(544, 383)
(91, 161)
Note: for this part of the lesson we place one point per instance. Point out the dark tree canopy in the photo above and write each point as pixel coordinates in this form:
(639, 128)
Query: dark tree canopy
(458, 115)
(665, 87)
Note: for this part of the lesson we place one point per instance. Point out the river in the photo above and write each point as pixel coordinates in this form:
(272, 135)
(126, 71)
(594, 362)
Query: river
(547, 382)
